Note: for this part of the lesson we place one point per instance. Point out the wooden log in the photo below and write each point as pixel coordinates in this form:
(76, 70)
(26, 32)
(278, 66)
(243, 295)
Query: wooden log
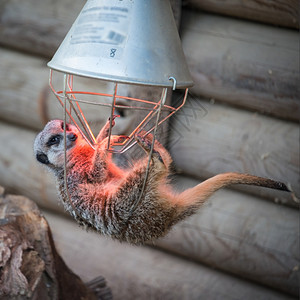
(285, 13)
(30, 265)
(25, 95)
(146, 273)
(39, 27)
(26, 98)
(20, 173)
(243, 64)
(242, 235)
(240, 66)
(207, 139)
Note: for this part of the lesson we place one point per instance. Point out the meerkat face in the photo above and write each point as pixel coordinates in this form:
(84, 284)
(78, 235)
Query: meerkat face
(49, 143)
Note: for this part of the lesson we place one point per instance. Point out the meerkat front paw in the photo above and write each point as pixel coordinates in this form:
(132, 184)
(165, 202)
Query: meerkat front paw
(104, 132)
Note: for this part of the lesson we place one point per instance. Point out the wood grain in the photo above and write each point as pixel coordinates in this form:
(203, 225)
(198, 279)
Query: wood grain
(282, 13)
(37, 26)
(207, 139)
(26, 98)
(242, 235)
(30, 265)
(144, 273)
(244, 64)
(40, 26)
(19, 171)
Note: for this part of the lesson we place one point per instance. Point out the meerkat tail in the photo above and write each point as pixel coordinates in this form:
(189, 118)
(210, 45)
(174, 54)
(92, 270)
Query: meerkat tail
(199, 194)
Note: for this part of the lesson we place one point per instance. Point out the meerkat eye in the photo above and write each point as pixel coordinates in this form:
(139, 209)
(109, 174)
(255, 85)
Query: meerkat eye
(54, 140)
(72, 137)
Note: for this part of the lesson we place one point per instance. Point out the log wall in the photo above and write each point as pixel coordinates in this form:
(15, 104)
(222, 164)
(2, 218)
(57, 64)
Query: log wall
(282, 13)
(242, 116)
(27, 100)
(207, 139)
(150, 274)
(251, 65)
(242, 235)
(245, 64)
(31, 268)
(235, 233)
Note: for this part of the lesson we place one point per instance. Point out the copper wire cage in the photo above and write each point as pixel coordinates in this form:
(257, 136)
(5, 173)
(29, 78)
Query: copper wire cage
(71, 98)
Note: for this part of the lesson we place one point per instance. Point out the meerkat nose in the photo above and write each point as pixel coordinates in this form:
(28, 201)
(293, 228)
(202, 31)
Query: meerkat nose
(67, 126)
(42, 158)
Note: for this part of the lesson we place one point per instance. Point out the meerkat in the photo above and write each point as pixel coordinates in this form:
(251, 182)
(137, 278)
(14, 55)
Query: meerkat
(102, 194)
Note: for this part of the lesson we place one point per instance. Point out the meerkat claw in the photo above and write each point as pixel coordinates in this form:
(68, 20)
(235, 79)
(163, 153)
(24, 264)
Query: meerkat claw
(146, 144)
(104, 132)
(113, 119)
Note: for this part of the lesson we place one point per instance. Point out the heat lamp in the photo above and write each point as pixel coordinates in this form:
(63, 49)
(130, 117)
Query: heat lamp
(121, 42)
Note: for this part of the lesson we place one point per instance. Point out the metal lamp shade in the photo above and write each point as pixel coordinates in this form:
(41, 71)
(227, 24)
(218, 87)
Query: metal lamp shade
(127, 41)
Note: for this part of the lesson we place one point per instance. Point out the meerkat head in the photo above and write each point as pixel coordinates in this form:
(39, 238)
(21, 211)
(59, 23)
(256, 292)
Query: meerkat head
(49, 143)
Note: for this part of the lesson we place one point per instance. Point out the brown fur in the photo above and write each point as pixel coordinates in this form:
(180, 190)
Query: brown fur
(103, 194)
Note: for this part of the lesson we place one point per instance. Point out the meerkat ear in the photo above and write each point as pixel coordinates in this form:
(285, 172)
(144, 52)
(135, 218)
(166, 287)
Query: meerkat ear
(42, 158)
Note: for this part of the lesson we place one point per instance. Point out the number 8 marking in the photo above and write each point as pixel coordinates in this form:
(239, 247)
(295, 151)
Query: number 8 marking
(112, 52)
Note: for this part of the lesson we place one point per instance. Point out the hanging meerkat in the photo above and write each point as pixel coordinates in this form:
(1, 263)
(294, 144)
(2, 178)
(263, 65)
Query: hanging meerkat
(102, 194)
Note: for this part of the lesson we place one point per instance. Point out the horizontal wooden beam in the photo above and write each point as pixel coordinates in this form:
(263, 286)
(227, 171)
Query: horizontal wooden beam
(242, 235)
(27, 100)
(207, 139)
(19, 171)
(37, 27)
(146, 273)
(242, 63)
(282, 13)
(40, 27)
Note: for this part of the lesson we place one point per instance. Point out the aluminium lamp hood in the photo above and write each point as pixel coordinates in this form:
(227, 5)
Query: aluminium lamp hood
(129, 41)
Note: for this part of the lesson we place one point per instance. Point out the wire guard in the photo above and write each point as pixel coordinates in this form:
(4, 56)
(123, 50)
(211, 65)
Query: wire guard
(69, 96)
